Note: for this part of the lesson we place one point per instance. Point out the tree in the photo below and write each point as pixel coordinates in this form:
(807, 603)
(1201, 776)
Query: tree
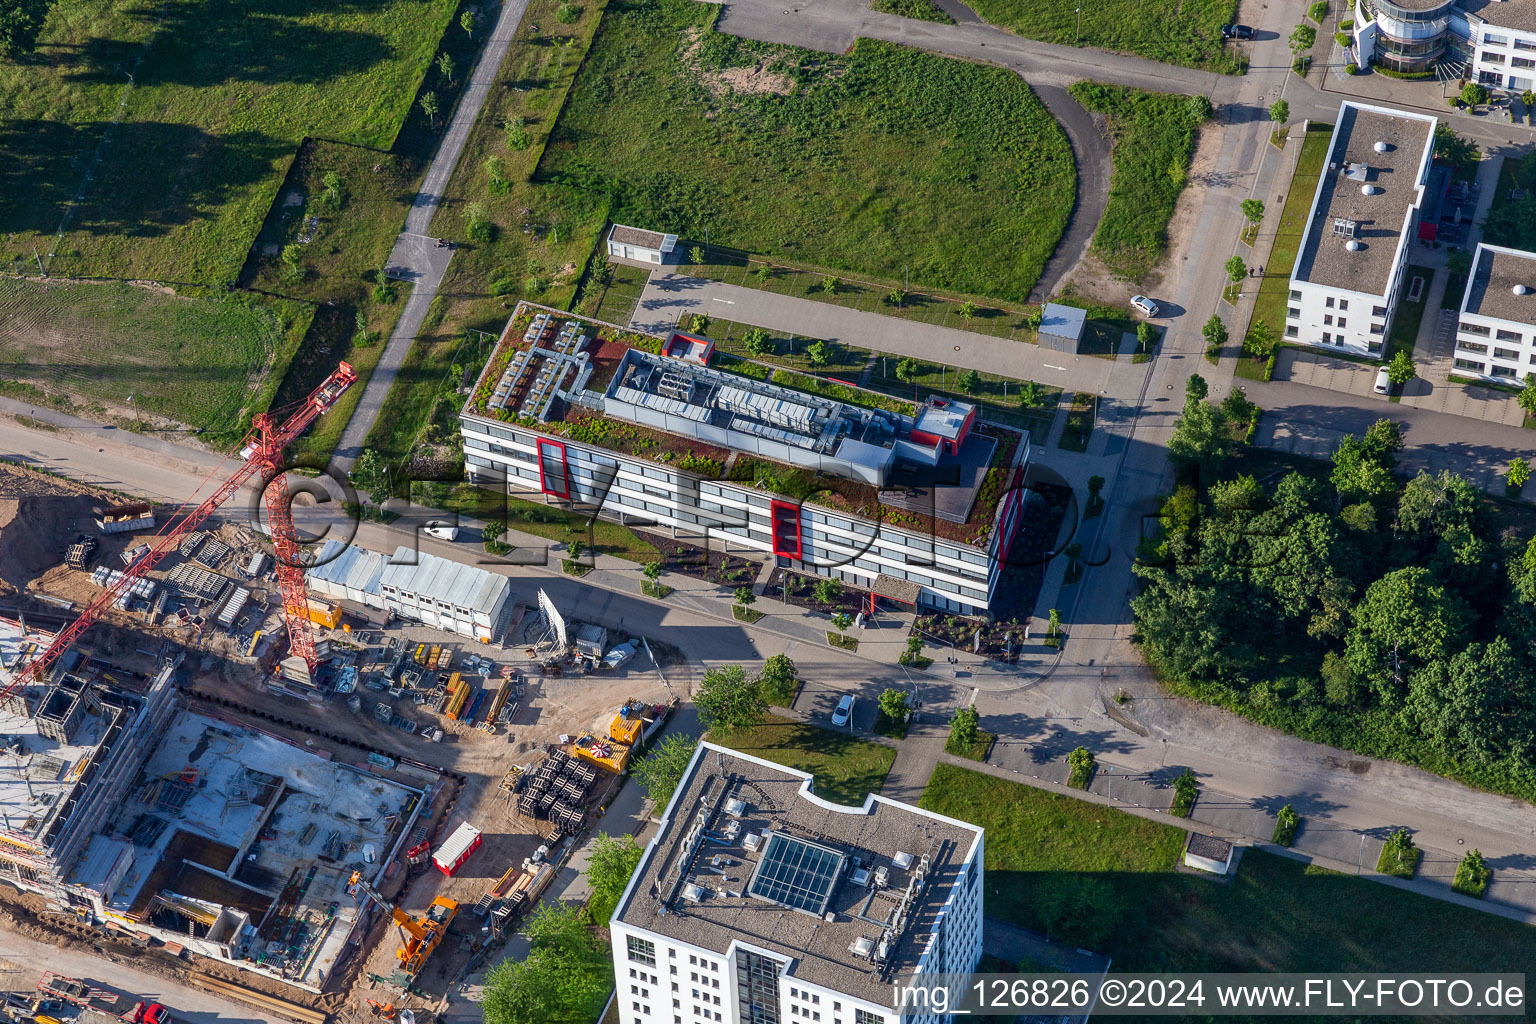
(1146, 335)
(698, 323)
(757, 343)
(1404, 622)
(1518, 473)
(1458, 261)
(828, 590)
(763, 274)
(1031, 395)
(1078, 910)
(516, 130)
(446, 67)
(1401, 370)
(564, 978)
(817, 355)
(1527, 395)
(335, 192)
(20, 22)
(967, 309)
(893, 704)
(1095, 485)
(612, 863)
(696, 255)
(1280, 111)
(965, 727)
(1186, 787)
(1473, 873)
(428, 103)
(728, 701)
(1474, 93)
(841, 621)
(829, 284)
(293, 262)
(370, 474)
(1082, 763)
(467, 23)
(1236, 269)
(1302, 38)
(745, 597)
(969, 382)
(1253, 209)
(1260, 340)
(778, 680)
(659, 771)
(1034, 317)
(1195, 388)
(1214, 332)
(896, 297)
(908, 370)
(1202, 436)
(652, 571)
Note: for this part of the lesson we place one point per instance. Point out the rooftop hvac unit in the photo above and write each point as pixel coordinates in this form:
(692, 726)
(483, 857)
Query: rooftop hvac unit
(1343, 227)
(903, 859)
(693, 892)
(735, 806)
(862, 946)
(882, 873)
(752, 841)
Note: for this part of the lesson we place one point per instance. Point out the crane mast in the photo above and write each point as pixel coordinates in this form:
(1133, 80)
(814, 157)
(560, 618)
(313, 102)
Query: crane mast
(262, 452)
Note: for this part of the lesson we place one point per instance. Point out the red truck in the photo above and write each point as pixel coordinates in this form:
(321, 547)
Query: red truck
(104, 1000)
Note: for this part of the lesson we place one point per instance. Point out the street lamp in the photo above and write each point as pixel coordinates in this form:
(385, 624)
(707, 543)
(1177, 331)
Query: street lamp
(136, 415)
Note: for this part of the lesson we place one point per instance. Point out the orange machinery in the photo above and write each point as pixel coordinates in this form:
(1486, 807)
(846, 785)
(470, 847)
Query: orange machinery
(419, 936)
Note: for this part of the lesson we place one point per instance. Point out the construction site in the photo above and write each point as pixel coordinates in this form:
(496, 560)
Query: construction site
(231, 771)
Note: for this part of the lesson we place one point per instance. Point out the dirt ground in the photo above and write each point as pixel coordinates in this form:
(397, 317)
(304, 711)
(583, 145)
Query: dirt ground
(554, 706)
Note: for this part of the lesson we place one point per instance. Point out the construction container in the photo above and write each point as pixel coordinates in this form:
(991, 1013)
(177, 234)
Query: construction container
(125, 518)
(604, 753)
(233, 606)
(451, 856)
(323, 614)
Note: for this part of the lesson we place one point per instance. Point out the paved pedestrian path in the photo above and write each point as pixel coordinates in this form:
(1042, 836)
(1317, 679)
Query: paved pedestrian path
(414, 258)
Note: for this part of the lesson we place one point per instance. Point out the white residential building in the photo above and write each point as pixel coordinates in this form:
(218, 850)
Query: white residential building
(759, 902)
(1496, 332)
(1488, 41)
(581, 414)
(640, 245)
(1349, 269)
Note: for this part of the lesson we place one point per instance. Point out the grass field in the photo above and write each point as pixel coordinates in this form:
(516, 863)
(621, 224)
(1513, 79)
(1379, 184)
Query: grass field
(202, 362)
(1153, 136)
(1277, 915)
(922, 10)
(1275, 287)
(177, 172)
(1187, 33)
(542, 520)
(846, 769)
(878, 161)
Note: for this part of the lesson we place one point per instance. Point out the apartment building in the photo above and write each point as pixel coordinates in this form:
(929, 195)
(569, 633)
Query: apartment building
(1349, 271)
(1496, 331)
(759, 902)
(918, 504)
(1488, 41)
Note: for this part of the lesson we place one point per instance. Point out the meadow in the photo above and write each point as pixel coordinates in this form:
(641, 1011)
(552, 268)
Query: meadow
(884, 161)
(1183, 32)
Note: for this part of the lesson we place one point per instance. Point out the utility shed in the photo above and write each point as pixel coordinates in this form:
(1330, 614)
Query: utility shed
(640, 245)
(1208, 853)
(1061, 327)
(451, 856)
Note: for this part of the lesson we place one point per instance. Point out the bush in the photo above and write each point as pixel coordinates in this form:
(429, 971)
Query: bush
(1082, 763)
(1344, 39)
(568, 14)
(385, 294)
(1318, 11)
(779, 681)
(1286, 824)
(1472, 875)
(1346, 24)
(1185, 789)
(1351, 68)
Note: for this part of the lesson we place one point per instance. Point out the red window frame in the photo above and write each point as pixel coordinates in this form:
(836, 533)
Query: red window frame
(565, 473)
(775, 507)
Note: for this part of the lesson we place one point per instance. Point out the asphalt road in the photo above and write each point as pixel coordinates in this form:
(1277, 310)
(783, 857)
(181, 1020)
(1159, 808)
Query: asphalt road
(187, 1004)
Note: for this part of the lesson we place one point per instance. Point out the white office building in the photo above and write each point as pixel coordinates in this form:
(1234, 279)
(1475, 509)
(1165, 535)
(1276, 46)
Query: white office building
(920, 509)
(1488, 41)
(1349, 270)
(1496, 331)
(759, 902)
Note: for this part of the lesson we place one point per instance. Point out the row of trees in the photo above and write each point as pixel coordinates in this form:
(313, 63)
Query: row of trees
(1392, 619)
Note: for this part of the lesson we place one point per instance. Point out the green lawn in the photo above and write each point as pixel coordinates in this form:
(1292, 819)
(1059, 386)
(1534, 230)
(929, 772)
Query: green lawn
(1278, 915)
(1186, 33)
(223, 95)
(619, 287)
(1275, 287)
(878, 161)
(548, 521)
(1405, 324)
(922, 10)
(1079, 425)
(846, 769)
(203, 362)
(1153, 137)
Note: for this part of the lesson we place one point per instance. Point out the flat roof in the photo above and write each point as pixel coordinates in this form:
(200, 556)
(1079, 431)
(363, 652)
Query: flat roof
(943, 417)
(1202, 845)
(1364, 195)
(411, 571)
(1496, 273)
(1063, 321)
(774, 859)
(627, 235)
(1515, 14)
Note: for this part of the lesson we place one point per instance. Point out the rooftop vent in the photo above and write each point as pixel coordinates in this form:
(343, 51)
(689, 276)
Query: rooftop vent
(860, 876)
(752, 841)
(1356, 171)
(881, 874)
(1381, 147)
(1369, 190)
(1343, 227)
(862, 946)
(735, 807)
(693, 892)
(1520, 289)
(903, 859)
(1353, 245)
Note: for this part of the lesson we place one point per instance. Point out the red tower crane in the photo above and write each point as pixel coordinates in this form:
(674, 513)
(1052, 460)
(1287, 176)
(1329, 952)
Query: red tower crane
(262, 452)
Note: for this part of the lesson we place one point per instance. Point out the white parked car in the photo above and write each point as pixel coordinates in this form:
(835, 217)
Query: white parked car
(1383, 382)
(442, 530)
(843, 714)
(1144, 305)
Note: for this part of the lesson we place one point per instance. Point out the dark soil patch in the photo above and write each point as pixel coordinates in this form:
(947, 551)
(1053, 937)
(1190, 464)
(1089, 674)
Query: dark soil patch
(705, 564)
(802, 594)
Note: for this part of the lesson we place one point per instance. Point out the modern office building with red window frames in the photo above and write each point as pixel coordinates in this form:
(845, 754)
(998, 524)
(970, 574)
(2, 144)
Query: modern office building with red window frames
(914, 503)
